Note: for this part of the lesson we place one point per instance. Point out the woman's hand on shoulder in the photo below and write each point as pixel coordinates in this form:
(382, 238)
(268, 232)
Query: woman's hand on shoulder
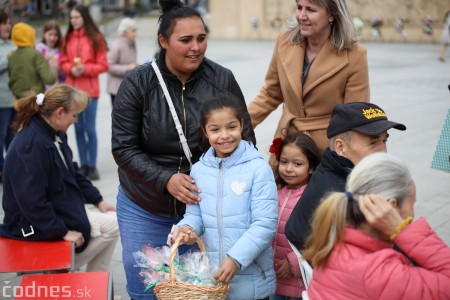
(226, 270)
(182, 187)
(380, 214)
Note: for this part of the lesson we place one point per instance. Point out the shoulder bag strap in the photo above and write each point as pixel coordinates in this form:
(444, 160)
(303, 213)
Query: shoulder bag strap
(183, 139)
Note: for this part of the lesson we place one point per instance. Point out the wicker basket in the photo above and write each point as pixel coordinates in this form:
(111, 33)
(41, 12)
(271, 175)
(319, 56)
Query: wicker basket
(173, 290)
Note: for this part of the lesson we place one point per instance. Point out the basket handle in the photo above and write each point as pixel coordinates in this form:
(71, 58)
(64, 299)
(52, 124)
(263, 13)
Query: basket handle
(174, 251)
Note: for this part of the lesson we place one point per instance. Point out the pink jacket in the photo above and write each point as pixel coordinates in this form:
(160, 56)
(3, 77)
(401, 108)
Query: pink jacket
(79, 45)
(367, 268)
(292, 287)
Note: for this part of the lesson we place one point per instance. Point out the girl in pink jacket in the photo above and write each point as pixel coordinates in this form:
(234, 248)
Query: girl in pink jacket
(297, 156)
(364, 244)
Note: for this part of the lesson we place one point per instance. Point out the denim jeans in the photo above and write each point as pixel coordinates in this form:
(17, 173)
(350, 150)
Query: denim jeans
(137, 228)
(86, 134)
(7, 116)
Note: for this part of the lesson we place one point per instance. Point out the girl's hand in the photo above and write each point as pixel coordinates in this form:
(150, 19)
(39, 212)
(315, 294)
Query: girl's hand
(380, 214)
(77, 71)
(226, 271)
(190, 237)
(182, 186)
(283, 270)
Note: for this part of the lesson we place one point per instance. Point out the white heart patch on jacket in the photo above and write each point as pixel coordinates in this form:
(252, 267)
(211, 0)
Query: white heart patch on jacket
(238, 187)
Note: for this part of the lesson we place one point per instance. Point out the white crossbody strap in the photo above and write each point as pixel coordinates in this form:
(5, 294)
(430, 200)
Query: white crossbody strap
(183, 139)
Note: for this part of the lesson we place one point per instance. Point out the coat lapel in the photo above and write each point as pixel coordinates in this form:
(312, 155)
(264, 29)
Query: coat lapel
(325, 65)
(291, 59)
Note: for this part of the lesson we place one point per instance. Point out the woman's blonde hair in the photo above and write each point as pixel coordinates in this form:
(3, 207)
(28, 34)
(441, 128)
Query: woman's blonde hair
(378, 173)
(60, 95)
(343, 34)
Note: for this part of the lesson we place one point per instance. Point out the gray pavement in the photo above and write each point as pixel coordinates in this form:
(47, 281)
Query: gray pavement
(407, 81)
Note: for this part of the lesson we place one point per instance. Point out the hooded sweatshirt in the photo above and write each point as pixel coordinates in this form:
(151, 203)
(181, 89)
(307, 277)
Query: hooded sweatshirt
(28, 69)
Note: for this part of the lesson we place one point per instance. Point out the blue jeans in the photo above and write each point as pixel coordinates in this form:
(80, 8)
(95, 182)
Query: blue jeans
(137, 228)
(281, 297)
(7, 116)
(86, 134)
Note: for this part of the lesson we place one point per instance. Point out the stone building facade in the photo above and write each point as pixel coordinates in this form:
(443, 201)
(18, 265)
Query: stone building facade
(261, 19)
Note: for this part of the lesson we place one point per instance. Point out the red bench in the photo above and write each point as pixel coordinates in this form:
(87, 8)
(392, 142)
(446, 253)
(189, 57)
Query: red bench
(34, 257)
(83, 285)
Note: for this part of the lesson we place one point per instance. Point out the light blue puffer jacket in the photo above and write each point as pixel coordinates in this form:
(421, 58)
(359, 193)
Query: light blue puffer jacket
(237, 216)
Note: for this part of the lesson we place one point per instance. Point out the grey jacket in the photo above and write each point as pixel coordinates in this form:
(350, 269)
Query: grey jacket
(122, 52)
(6, 96)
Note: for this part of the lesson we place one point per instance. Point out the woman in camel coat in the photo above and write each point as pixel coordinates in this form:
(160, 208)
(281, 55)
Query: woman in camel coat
(316, 64)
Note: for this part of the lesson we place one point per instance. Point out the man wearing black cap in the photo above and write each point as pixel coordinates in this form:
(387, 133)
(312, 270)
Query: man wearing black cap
(356, 130)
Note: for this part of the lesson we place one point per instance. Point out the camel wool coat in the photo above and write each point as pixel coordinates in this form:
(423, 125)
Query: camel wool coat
(333, 78)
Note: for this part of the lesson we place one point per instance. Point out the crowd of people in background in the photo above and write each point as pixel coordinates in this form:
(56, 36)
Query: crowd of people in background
(184, 143)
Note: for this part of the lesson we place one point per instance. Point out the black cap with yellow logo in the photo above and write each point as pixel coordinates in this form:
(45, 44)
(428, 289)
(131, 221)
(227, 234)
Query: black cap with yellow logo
(366, 118)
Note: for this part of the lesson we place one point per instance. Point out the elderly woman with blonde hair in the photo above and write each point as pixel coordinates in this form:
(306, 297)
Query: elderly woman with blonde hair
(122, 55)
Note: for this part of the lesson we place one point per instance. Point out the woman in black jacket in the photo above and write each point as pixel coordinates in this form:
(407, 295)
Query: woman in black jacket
(153, 167)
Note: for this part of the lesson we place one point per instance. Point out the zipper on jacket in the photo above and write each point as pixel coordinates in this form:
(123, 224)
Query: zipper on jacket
(219, 201)
(175, 199)
(261, 270)
(283, 206)
(183, 107)
(185, 134)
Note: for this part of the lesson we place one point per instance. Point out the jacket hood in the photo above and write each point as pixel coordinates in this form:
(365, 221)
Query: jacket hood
(244, 152)
(23, 35)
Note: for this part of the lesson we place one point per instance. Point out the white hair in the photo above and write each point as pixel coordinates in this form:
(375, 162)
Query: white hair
(125, 24)
(383, 174)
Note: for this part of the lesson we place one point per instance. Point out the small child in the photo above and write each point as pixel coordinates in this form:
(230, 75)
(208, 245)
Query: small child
(49, 47)
(237, 214)
(297, 156)
(28, 69)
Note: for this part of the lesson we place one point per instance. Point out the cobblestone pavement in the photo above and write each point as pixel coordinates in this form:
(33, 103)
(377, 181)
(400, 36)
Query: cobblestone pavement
(407, 81)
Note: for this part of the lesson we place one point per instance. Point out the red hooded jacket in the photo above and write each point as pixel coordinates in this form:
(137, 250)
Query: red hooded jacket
(78, 45)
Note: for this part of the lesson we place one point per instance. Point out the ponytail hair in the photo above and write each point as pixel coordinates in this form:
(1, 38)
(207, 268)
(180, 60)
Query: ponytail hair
(378, 173)
(60, 95)
(328, 226)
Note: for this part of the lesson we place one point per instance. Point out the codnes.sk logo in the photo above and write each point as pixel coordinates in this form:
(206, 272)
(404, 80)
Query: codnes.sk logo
(34, 291)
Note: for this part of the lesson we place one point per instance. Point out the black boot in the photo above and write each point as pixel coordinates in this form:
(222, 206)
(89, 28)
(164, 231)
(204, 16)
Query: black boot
(84, 170)
(93, 173)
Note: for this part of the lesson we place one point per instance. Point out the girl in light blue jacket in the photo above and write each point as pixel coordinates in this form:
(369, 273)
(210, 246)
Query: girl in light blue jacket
(237, 214)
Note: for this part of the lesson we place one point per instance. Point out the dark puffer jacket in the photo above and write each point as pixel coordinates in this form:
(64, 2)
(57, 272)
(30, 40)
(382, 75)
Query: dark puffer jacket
(330, 176)
(145, 142)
